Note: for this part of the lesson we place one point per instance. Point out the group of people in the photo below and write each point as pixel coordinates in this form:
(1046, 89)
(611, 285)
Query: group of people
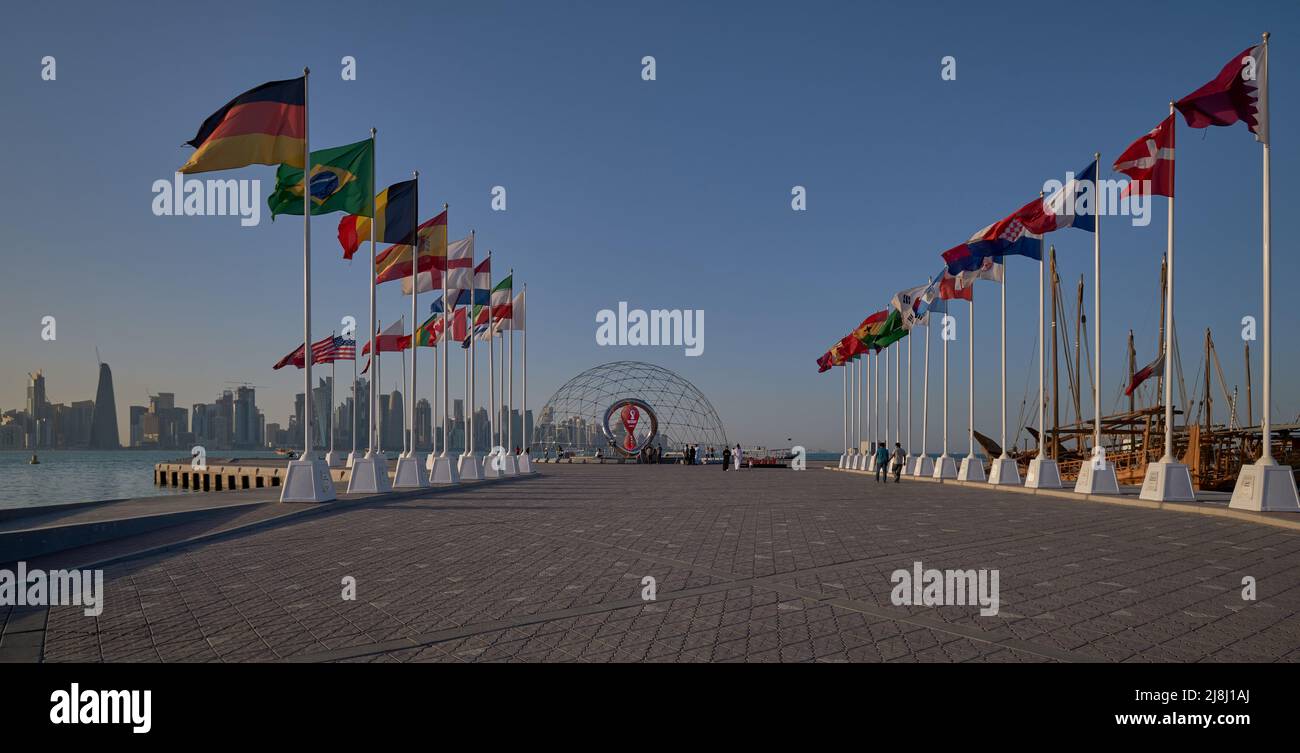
(882, 454)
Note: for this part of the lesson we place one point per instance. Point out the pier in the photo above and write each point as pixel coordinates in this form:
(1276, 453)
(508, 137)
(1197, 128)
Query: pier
(758, 566)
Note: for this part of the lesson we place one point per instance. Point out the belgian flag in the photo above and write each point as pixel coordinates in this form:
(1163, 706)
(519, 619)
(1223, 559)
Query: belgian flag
(266, 125)
(395, 219)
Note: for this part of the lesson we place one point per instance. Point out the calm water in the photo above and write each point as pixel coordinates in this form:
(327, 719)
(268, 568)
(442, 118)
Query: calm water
(85, 476)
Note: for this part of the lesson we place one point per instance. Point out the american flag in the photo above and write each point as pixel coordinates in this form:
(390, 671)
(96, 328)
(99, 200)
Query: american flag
(333, 348)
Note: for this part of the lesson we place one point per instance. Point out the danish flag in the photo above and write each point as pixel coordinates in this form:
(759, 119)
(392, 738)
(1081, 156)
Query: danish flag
(1150, 158)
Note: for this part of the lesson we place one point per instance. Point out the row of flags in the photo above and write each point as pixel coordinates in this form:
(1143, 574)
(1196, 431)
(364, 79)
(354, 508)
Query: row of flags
(1237, 94)
(267, 125)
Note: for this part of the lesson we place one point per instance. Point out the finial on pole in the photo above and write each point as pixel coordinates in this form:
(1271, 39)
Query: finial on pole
(373, 132)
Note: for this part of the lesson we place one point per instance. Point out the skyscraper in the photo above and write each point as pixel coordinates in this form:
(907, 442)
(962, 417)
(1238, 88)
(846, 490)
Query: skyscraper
(103, 422)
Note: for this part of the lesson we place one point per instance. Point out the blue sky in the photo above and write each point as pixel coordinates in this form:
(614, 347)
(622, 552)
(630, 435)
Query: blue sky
(666, 194)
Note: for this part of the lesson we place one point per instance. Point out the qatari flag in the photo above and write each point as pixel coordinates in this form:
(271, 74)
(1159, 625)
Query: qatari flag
(1238, 93)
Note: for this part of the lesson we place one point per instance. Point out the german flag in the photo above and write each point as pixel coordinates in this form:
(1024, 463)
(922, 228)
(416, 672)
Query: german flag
(395, 212)
(266, 125)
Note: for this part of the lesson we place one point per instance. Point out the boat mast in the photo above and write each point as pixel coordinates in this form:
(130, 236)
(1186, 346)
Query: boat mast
(1078, 367)
(1132, 369)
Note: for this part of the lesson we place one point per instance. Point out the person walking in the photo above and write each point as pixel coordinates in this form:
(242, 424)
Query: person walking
(900, 459)
(882, 462)
(726, 457)
(737, 456)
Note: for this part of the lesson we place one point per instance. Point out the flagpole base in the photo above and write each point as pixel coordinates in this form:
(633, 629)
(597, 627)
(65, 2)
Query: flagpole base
(1100, 480)
(525, 464)
(1167, 482)
(471, 467)
(844, 460)
(861, 463)
(410, 472)
(352, 459)
(494, 466)
(972, 469)
(369, 475)
(444, 471)
(923, 466)
(511, 465)
(1004, 472)
(1265, 488)
(334, 459)
(871, 464)
(945, 467)
(307, 481)
(1043, 474)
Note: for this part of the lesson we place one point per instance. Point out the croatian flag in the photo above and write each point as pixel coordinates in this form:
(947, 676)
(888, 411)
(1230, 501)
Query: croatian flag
(1008, 237)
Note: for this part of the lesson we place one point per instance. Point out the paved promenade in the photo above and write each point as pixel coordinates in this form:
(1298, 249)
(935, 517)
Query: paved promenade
(759, 565)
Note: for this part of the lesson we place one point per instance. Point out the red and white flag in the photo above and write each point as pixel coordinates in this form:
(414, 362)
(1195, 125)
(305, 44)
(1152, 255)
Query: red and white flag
(1155, 368)
(1238, 93)
(1150, 158)
(389, 340)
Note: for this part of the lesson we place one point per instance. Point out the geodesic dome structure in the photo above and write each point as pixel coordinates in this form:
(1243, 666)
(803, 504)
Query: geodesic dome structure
(573, 416)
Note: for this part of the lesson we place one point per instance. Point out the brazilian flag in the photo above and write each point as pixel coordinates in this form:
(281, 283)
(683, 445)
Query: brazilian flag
(341, 181)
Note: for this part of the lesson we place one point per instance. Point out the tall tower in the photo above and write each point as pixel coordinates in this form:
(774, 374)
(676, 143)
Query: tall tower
(103, 422)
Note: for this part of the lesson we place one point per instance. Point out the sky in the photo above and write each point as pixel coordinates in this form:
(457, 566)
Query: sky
(668, 194)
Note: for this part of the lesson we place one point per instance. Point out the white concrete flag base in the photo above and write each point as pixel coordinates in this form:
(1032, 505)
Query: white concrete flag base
(307, 481)
(1265, 488)
(1004, 472)
(972, 469)
(444, 471)
(511, 467)
(923, 466)
(334, 459)
(525, 464)
(945, 467)
(352, 459)
(844, 460)
(369, 474)
(471, 467)
(1168, 482)
(1043, 473)
(1096, 480)
(410, 472)
(493, 466)
(871, 464)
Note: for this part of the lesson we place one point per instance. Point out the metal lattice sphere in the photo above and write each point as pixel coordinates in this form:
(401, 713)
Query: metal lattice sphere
(573, 417)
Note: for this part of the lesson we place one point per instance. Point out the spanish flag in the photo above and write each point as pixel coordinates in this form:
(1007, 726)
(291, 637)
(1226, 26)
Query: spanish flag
(395, 217)
(266, 125)
(394, 262)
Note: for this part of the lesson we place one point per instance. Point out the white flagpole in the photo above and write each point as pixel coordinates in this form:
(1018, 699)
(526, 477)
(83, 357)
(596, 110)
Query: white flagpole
(875, 402)
(1097, 476)
(857, 405)
(308, 440)
(469, 395)
(844, 395)
(415, 320)
(909, 394)
(377, 434)
(511, 419)
(406, 428)
(305, 480)
(330, 417)
(373, 396)
(1266, 485)
(898, 400)
(493, 423)
(972, 468)
(435, 428)
(1004, 468)
(925, 397)
(354, 402)
(523, 397)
